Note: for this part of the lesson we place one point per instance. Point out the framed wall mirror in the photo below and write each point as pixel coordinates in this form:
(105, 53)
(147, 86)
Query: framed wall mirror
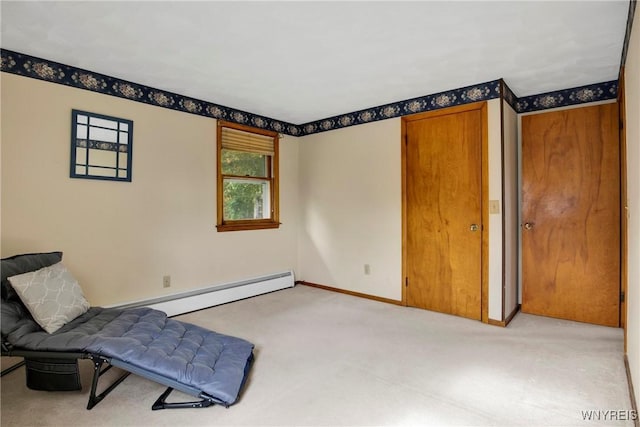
(101, 146)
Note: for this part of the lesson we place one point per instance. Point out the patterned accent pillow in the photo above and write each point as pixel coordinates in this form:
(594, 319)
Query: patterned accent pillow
(52, 296)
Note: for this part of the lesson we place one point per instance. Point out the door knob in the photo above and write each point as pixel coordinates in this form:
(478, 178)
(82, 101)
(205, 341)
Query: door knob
(528, 225)
(474, 227)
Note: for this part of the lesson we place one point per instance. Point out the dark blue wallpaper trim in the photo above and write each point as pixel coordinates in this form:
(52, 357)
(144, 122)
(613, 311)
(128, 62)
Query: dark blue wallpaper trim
(42, 69)
(465, 95)
(509, 96)
(563, 98)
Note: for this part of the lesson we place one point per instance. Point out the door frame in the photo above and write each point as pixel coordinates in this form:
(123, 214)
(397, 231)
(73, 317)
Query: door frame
(484, 189)
(624, 206)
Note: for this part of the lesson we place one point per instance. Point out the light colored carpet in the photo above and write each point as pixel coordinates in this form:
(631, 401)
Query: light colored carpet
(326, 359)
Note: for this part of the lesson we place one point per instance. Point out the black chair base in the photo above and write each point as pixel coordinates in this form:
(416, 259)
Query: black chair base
(161, 403)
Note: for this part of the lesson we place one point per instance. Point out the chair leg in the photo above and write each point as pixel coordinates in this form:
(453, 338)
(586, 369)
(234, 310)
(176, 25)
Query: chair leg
(94, 398)
(12, 368)
(162, 404)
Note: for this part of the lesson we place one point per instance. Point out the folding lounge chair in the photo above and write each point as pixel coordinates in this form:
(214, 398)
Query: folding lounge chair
(194, 360)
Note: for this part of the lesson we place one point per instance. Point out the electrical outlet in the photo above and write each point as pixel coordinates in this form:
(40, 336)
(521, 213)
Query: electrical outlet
(166, 281)
(367, 269)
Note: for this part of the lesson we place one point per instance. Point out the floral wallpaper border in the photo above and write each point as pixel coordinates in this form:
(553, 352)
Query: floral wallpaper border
(573, 96)
(450, 98)
(509, 96)
(42, 69)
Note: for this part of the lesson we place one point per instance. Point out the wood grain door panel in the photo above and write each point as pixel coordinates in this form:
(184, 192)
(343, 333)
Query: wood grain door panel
(443, 200)
(571, 212)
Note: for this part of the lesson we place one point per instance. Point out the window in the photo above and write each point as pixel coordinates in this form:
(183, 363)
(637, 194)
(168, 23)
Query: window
(247, 178)
(100, 146)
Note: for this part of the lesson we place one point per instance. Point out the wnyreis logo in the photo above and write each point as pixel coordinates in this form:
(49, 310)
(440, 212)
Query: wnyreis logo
(610, 415)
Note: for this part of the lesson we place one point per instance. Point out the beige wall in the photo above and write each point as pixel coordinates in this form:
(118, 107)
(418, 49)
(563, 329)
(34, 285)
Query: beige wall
(119, 239)
(632, 93)
(350, 206)
(340, 202)
(351, 209)
(495, 219)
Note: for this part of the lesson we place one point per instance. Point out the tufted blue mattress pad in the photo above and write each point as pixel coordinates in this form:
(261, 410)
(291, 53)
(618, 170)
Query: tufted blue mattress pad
(145, 341)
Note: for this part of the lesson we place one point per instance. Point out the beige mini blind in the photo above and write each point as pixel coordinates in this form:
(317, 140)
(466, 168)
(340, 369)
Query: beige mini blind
(238, 140)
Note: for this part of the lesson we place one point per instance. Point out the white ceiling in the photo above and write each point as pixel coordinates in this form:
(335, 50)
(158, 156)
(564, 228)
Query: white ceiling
(305, 61)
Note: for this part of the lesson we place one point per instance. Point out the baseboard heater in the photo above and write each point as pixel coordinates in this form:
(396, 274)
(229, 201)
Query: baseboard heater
(198, 299)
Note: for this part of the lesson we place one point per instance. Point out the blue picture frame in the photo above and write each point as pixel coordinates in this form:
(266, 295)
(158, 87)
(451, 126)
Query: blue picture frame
(101, 147)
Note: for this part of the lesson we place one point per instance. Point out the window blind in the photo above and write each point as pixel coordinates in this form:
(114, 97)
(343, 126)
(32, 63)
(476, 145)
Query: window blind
(238, 140)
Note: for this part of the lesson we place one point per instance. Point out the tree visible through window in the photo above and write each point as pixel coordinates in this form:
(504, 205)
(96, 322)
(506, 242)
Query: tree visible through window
(247, 178)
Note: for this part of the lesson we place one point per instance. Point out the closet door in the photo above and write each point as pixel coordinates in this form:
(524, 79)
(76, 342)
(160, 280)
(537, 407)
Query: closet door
(443, 211)
(571, 214)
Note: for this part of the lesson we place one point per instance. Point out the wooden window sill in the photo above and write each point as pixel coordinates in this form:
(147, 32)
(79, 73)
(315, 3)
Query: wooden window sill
(247, 225)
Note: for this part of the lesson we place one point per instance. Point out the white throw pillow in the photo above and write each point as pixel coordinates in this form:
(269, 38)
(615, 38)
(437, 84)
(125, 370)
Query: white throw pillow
(52, 296)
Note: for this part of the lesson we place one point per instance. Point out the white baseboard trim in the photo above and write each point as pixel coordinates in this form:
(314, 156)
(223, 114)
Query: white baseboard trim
(199, 299)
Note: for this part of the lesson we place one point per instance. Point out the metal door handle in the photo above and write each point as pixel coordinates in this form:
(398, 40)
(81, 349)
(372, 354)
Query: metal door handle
(474, 227)
(528, 225)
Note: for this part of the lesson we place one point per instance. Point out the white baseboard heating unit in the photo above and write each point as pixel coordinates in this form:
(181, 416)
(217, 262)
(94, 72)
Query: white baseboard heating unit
(198, 299)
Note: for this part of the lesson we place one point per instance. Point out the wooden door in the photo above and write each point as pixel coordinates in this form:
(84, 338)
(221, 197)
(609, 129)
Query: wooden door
(443, 211)
(571, 214)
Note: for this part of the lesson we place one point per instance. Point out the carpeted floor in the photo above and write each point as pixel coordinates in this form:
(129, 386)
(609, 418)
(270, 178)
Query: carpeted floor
(327, 359)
